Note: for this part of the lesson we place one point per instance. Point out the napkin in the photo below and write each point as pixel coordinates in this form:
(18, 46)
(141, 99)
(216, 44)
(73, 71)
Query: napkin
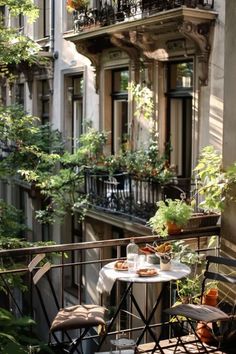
(106, 280)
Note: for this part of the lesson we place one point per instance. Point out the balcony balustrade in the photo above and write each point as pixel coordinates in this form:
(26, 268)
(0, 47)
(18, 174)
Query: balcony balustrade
(131, 196)
(74, 272)
(112, 12)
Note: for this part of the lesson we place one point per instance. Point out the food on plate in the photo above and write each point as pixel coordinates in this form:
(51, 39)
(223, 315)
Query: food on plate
(147, 272)
(145, 250)
(164, 248)
(121, 265)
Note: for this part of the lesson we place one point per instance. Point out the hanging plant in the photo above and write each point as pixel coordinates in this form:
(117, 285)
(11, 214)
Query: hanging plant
(143, 98)
(76, 5)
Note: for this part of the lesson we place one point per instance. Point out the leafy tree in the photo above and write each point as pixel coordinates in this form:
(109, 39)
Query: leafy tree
(33, 151)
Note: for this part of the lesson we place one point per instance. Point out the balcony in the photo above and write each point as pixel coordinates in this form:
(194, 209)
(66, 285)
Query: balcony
(130, 196)
(75, 272)
(111, 13)
(147, 29)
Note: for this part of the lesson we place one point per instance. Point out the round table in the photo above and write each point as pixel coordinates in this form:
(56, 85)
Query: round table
(108, 275)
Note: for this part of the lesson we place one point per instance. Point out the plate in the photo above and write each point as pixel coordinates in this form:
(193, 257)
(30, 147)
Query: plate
(147, 272)
(121, 266)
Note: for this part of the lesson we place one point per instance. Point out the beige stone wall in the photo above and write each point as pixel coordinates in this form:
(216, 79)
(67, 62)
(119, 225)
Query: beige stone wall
(229, 141)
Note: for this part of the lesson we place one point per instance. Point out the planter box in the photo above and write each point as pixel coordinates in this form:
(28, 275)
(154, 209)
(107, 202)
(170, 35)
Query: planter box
(202, 220)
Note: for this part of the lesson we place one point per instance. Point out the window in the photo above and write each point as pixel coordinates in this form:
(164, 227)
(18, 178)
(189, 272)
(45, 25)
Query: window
(77, 236)
(3, 96)
(44, 94)
(20, 94)
(23, 207)
(77, 105)
(2, 13)
(179, 115)
(46, 227)
(42, 24)
(120, 79)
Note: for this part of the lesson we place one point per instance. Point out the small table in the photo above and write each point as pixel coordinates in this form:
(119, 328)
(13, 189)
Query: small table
(177, 271)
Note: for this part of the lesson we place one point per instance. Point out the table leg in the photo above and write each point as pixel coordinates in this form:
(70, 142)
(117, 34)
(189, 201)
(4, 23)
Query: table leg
(109, 327)
(147, 321)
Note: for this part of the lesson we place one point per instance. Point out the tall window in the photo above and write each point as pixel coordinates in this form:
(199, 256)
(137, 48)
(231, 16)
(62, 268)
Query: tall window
(2, 13)
(179, 115)
(43, 20)
(20, 94)
(44, 91)
(77, 102)
(119, 108)
(46, 227)
(77, 236)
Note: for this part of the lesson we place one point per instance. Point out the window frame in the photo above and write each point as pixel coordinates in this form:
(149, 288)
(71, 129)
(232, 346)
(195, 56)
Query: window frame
(77, 97)
(184, 94)
(118, 96)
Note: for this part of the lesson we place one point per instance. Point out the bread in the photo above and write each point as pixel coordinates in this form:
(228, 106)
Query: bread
(121, 265)
(147, 272)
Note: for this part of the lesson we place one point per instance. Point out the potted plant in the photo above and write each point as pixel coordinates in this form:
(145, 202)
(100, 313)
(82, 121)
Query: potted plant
(170, 217)
(189, 289)
(76, 5)
(211, 187)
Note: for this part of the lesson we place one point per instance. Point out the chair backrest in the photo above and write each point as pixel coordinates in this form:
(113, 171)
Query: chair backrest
(219, 269)
(38, 272)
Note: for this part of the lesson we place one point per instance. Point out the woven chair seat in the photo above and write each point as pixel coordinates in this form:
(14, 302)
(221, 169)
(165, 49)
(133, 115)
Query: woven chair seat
(203, 313)
(79, 316)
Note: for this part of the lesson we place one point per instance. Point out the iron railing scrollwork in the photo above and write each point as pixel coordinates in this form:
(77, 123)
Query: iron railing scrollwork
(130, 195)
(109, 12)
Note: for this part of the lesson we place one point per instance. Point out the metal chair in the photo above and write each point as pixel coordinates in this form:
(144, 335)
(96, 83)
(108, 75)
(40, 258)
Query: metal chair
(220, 324)
(78, 317)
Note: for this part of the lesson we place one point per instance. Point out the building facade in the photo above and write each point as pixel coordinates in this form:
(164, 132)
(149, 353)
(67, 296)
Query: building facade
(174, 49)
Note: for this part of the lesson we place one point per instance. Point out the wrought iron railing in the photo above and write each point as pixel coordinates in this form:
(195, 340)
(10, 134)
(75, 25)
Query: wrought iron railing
(129, 195)
(109, 12)
(83, 260)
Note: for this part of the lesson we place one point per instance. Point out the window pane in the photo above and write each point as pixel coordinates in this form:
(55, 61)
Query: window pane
(78, 86)
(176, 128)
(45, 87)
(181, 135)
(46, 107)
(120, 124)
(20, 94)
(181, 75)
(120, 81)
(78, 121)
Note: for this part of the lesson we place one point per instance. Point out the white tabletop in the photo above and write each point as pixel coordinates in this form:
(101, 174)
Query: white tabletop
(108, 275)
(178, 271)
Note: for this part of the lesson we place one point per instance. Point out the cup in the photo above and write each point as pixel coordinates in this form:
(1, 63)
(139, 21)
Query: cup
(141, 261)
(165, 263)
(132, 259)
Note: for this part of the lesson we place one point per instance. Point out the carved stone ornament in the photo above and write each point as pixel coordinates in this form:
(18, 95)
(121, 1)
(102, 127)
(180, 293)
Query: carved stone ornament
(199, 34)
(120, 40)
(83, 48)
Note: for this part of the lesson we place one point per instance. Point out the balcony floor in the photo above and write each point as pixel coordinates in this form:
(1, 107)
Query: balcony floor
(193, 349)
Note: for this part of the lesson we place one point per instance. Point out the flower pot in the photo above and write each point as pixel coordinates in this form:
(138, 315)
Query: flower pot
(202, 220)
(203, 330)
(211, 297)
(172, 228)
(76, 4)
(205, 334)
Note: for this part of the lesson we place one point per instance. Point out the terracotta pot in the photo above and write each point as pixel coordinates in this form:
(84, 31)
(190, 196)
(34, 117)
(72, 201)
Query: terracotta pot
(205, 334)
(203, 330)
(76, 4)
(172, 228)
(211, 297)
